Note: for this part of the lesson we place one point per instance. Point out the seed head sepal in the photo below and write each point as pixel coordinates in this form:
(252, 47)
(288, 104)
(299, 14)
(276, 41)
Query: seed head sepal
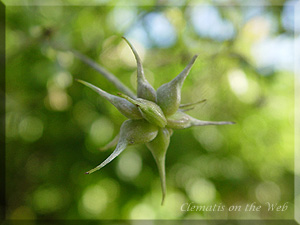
(169, 94)
(149, 110)
(180, 120)
(158, 147)
(125, 107)
(132, 132)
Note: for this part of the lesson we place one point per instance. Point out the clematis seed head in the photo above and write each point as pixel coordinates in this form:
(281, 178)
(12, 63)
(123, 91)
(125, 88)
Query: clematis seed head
(153, 115)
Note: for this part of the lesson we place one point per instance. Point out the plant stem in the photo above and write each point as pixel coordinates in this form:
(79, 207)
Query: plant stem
(109, 76)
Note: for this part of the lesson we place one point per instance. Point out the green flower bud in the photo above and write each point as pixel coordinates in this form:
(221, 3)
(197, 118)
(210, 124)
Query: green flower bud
(126, 108)
(131, 132)
(180, 120)
(169, 94)
(144, 88)
(158, 147)
(149, 110)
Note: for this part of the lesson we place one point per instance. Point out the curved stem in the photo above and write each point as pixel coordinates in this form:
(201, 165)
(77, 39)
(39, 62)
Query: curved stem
(162, 174)
(109, 76)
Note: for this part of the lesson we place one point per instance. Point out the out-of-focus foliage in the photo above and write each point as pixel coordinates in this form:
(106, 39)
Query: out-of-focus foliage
(55, 126)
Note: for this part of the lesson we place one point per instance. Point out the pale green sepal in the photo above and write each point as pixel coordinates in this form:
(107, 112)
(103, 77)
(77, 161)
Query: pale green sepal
(144, 88)
(169, 94)
(125, 107)
(132, 132)
(120, 148)
(158, 148)
(149, 110)
(180, 120)
(195, 122)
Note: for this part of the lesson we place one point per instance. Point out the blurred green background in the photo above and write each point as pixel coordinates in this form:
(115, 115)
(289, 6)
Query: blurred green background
(55, 126)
